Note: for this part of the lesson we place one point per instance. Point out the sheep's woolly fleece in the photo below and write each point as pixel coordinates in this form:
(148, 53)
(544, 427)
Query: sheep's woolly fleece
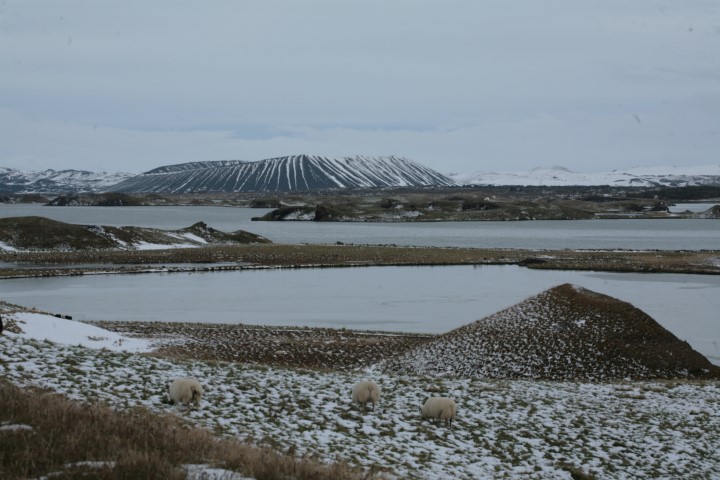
(508, 429)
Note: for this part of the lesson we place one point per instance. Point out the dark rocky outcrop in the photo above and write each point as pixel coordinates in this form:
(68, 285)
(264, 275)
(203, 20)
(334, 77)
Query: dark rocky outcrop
(288, 213)
(713, 212)
(103, 200)
(478, 205)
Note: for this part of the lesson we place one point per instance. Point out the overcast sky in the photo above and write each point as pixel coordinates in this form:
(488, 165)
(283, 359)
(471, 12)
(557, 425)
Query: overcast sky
(457, 85)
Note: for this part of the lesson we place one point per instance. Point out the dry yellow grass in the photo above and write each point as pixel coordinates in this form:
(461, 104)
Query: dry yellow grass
(282, 255)
(60, 434)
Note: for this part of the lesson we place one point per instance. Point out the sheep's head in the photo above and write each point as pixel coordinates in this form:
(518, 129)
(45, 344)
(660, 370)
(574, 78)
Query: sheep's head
(167, 399)
(196, 396)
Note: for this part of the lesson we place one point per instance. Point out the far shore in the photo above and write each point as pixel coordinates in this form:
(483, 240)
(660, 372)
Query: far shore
(15, 264)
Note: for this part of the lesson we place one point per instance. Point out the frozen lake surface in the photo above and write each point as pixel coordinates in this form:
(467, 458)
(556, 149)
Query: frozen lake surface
(645, 234)
(408, 299)
(413, 299)
(691, 207)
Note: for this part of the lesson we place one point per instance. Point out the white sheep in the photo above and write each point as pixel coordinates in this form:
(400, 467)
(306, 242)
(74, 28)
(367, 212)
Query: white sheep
(366, 392)
(185, 390)
(439, 408)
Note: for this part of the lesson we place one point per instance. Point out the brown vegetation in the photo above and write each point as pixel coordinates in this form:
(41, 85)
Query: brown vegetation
(233, 257)
(316, 348)
(68, 439)
(564, 333)
(39, 233)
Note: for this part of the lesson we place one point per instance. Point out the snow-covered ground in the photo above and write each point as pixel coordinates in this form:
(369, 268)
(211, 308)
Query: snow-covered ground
(505, 429)
(7, 248)
(42, 327)
(59, 180)
(558, 176)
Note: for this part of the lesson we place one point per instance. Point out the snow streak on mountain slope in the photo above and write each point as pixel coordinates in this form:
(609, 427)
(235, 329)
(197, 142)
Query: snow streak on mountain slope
(282, 174)
(56, 181)
(183, 167)
(633, 177)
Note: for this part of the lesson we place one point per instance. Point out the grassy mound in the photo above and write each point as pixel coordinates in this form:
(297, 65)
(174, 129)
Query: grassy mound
(566, 332)
(39, 233)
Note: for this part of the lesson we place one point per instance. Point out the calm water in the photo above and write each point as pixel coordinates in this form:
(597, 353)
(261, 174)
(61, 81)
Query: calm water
(664, 234)
(691, 207)
(416, 299)
(412, 299)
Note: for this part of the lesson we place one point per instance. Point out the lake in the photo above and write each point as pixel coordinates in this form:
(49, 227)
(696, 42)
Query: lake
(414, 299)
(634, 234)
(409, 299)
(691, 207)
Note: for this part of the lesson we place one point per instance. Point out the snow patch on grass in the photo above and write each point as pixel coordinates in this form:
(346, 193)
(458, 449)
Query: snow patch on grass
(504, 429)
(161, 246)
(205, 472)
(7, 248)
(8, 427)
(42, 327)
(195, 238)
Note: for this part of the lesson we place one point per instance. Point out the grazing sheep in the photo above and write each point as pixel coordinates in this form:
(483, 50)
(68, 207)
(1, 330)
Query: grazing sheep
(185, 390)
(364, 392)
(439, 408)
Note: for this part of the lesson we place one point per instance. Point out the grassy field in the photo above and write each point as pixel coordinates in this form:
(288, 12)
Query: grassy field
(316, 348)
(230, 257)
(275, 403)
(46, 434)
(505, 429)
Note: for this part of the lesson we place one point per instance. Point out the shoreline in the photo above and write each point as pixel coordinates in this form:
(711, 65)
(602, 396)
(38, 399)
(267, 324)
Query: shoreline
(249, 257)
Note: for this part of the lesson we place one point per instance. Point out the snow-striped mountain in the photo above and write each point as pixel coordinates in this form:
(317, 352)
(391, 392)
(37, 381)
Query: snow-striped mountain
(632, 177)
(57, 181)
(304, 172)
(284, 174)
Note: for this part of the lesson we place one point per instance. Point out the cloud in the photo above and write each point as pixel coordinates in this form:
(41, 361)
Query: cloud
(456, 85)
(586, 143)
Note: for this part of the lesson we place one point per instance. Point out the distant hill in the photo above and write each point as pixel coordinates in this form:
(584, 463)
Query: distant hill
(307, 172)
(284, 174)
(57, 181)
(40, 233)
(564, 333)
(632, 177)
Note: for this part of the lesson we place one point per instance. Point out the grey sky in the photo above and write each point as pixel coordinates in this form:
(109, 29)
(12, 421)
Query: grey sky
(458, 85)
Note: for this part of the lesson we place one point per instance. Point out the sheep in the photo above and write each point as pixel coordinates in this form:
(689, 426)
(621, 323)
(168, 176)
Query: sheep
(439, 408)
(185, 390)
(366, 391)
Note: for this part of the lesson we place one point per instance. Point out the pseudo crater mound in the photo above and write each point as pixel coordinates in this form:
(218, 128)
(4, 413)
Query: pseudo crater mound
(44, 234)
(564, 333)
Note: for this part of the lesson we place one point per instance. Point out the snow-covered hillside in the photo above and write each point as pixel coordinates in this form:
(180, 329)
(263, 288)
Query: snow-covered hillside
(282, 174)
(632, 177)
(57, 181)
(308, 172)
(585, 335)
(505, 429)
